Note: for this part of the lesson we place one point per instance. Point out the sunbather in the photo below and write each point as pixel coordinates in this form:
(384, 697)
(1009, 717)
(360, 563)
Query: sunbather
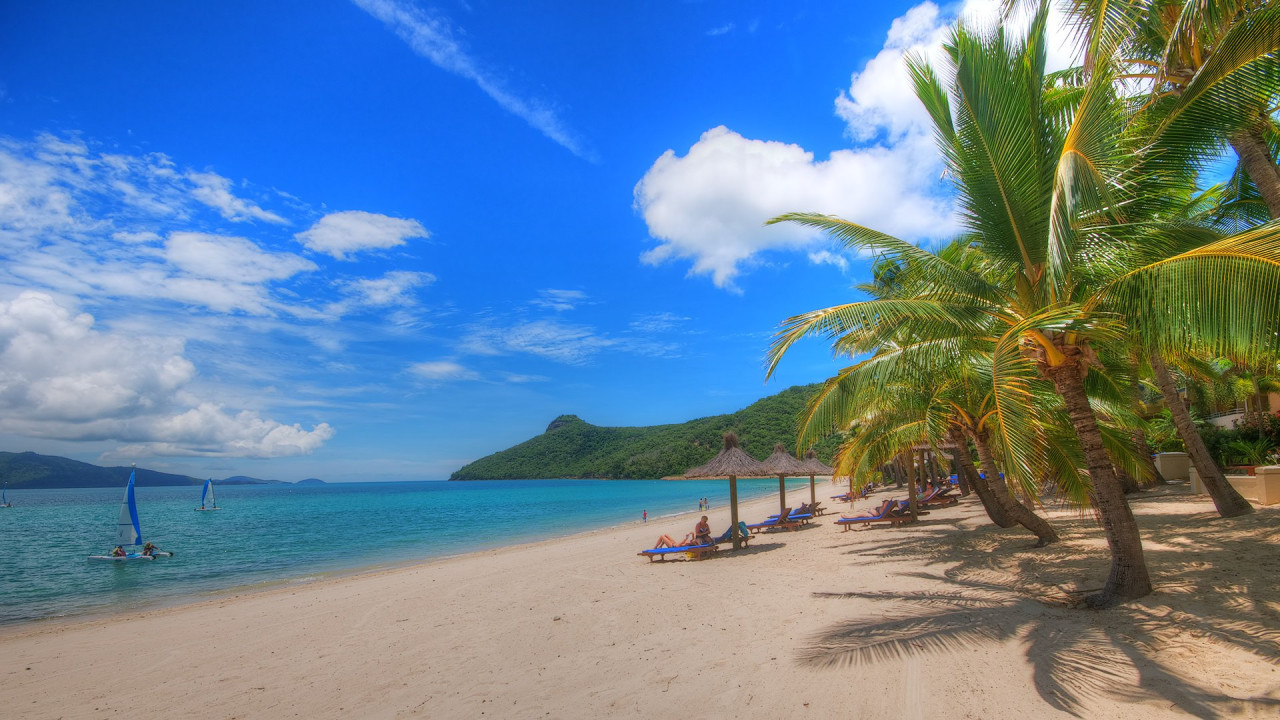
(668, 541)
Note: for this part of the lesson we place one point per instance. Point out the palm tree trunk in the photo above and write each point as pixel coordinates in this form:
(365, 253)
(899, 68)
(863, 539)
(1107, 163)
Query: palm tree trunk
(1255, 155)
(1226, 499)
(966, 469)
(1128, 578)
(1000, 493)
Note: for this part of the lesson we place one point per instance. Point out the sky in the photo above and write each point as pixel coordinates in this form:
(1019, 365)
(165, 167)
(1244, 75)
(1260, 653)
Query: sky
(378, 239)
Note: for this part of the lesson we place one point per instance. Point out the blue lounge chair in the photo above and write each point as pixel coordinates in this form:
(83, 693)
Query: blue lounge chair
(696, 552)
(782, 521)
(894, 512)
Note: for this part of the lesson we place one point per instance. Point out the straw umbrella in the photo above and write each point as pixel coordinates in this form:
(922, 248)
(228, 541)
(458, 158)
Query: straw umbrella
(732, 462)
(781, 463)
(815, 467)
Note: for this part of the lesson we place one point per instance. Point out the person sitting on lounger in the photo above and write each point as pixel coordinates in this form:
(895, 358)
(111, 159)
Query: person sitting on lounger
(702, 532)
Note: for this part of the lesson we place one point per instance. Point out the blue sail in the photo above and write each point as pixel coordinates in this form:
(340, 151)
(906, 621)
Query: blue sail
(204, 494)
(128, 532)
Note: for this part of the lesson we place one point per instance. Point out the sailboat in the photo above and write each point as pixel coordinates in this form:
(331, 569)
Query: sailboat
(207, 498)
(4, 496)
(129, 531)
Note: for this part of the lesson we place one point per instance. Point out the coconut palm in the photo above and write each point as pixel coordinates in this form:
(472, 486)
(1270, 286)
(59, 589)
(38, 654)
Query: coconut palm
(1042, 173)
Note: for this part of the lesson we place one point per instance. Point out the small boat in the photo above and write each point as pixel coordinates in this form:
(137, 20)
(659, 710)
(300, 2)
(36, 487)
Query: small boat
(207, 498)
(129, 532)
(4, 496)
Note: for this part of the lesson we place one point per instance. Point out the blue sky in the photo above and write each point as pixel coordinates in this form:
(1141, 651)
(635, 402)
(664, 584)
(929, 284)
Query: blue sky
(379, 239)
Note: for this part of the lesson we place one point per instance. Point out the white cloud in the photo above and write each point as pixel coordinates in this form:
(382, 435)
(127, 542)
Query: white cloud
(432, 36)
(560, 342)
(559, 300)
(209, 431)
(394, 288)
(519, 379)
(658, 322)
(710, 205)
(215, 191)
(707, 207)
(343, 233)
(826, 257)
(721, 30)
(442, 370)
(237, 259)
(61, 378)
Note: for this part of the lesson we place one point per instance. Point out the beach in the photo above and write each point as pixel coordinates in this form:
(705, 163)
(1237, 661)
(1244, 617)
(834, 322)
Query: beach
(948, 618)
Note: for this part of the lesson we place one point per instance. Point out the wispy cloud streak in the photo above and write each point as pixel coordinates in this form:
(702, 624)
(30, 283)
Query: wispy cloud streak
(432, 37)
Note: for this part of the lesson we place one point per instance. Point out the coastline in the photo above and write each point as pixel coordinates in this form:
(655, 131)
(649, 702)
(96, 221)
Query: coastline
(580, 625)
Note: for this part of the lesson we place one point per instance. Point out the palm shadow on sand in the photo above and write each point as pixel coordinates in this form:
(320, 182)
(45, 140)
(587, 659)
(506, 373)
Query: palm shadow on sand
(999, 589)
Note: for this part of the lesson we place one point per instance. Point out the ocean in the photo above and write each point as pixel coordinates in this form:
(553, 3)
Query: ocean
(268, 535)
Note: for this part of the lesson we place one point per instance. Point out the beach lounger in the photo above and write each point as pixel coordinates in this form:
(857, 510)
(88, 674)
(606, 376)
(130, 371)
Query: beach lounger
(803, 514)
(894, 512)
(743, 533)
(696, 552)
(938, 498)
(781, 522)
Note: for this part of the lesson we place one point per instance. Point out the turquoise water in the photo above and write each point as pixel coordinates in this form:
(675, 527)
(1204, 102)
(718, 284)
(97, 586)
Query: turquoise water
(267, 534)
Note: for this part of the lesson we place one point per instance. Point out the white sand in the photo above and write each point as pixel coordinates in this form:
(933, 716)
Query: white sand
(950, 618)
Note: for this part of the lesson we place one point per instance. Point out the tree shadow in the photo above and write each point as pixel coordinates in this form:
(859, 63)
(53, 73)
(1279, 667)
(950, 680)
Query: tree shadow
(1216, 596)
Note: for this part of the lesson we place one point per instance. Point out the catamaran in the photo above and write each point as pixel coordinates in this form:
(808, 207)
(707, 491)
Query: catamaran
(207, 498)
(4, 496)
(129, 532)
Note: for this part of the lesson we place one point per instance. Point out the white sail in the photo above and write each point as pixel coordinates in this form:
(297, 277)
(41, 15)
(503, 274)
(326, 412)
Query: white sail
(128, 531)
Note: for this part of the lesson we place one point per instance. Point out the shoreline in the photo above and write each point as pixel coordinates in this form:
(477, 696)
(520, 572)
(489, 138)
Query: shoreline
(175, 595)
(814, 620)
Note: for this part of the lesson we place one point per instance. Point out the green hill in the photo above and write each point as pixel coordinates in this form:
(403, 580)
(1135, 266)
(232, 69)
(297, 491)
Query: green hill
(30, 470)
(572, 448)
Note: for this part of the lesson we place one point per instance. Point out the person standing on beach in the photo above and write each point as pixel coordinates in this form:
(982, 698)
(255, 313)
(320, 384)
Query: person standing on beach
(646, 516)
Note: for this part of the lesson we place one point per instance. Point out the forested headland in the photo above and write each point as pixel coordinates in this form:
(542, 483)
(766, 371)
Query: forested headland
(574, 448)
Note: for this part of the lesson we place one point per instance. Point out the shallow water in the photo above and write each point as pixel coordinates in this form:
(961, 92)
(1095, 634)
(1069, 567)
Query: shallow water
(267, 534)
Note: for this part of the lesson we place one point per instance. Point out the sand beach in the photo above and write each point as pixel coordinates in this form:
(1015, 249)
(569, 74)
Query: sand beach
(949, 618)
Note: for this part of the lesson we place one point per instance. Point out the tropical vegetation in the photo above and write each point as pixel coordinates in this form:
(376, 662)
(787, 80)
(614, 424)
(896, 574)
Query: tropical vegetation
(1086, 259)
(573, 448)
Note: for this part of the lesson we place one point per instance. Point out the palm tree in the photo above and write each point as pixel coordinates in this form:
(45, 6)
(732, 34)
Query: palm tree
(1041, 172)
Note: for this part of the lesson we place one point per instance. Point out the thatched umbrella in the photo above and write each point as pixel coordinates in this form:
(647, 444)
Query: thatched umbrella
(732, 462)
(781, 463)
(815, 467)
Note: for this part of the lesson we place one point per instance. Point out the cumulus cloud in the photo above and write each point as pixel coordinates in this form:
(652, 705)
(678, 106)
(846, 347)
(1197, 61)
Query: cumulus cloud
(61, 378)
(442, 370)
(707, 207)
(710, 205)
(344, 233)
(432, 36)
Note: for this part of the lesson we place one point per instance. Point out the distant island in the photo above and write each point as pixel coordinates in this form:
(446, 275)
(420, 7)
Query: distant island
(573, 448)
(28, 470)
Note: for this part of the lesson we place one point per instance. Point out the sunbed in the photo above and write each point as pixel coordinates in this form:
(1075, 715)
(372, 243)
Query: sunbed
(696, 552)
(938, 498)
(894, 512)
(782, 521)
